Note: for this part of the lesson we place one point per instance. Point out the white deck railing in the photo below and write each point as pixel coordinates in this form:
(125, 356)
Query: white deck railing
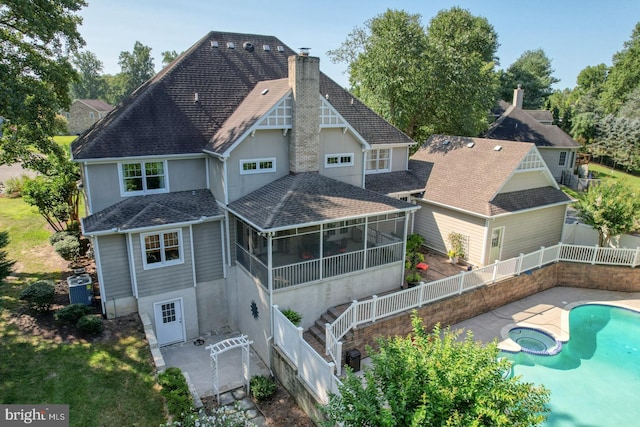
(360, 312)
(316, 372)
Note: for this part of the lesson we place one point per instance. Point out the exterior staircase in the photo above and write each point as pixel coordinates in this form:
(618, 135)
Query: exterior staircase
(315, 336)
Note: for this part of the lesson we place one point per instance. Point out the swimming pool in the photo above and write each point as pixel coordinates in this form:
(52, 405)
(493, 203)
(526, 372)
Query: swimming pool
(595, 379)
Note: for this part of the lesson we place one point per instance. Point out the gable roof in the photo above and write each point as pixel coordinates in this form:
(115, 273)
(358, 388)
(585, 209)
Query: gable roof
(515, 124)
(96, 104)
(469, 178)
(411, 180)
(162, 116)
(153, 210)
(310, 198)
(543, 116)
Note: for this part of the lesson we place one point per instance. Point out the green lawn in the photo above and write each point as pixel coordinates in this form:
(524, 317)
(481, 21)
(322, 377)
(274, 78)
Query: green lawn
(608, 174)
(104, 384)
(65, 141)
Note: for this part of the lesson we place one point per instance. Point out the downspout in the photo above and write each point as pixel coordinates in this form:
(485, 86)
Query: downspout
(364, 168)
(96, 258)
(87, 188)
(484, 241)
(270, 287)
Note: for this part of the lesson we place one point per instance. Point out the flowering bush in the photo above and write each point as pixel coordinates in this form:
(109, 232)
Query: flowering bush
(220, 417)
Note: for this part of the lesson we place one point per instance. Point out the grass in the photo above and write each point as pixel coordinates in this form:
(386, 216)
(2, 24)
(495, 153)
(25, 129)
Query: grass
(103, 384)
(65, 141)
(607, 174)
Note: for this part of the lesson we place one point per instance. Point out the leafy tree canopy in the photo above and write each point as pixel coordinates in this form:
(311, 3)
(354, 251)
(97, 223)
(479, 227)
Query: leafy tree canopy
(36, 39)
(136, 67)
(436, 379)
(434, 80)
(168, 57)
(611, 209)
(533, 72)
(624, 75)
(90, 83)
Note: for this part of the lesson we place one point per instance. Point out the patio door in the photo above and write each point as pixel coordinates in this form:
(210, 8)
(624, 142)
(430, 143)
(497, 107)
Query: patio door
(169, 326)
(496, 244)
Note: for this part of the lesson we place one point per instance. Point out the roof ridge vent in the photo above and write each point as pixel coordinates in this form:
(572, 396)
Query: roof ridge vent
(248, 46)
(231, 45)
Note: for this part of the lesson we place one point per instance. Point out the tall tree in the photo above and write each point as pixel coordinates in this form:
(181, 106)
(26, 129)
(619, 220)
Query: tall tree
(436, 379)
(90, 83)
(168, 57)
(6, 265)
(532, 70)
(136, 67)
(611, 209)
(624, 75)
(36, 39)
(424, 81)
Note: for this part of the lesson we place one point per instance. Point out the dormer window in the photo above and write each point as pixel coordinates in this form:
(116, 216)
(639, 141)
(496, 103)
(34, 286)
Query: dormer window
(379, 160)
(143, 178)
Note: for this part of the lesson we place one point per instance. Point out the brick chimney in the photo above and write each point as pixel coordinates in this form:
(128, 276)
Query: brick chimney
(518, 96)
(304, 80)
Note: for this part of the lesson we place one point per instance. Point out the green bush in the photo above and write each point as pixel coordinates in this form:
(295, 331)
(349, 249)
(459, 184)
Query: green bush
(39, 295)
(59, 235)
(221, 416)
(293, 316)
(262, 387)
(72, 313)
(68, 248)
(176, 392)
(89, 325)
(13, 186)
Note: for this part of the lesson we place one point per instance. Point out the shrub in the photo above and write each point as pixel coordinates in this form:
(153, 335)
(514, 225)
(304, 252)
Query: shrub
(13, 186)
(220, 417)
(262, 387)
(68, 248)
(72, 313)
(176, 392)
(6, 265)
(39, 295)
(59, 235)
(89, 325)
(293, 316)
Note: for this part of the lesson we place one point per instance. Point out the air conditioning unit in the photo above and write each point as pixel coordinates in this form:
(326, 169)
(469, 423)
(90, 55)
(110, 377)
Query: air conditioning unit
(80, 289)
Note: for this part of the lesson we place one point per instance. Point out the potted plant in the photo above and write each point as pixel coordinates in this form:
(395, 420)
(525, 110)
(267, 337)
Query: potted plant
(413, 258)
(456, 250)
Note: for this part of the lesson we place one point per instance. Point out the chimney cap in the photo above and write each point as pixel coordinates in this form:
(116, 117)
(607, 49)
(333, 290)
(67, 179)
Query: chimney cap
(304, 51)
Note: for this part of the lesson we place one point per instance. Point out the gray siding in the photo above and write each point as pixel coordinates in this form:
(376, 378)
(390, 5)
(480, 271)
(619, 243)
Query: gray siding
(207, 248)
(163, 279)
(551, 157)
(187, 174)
(216, 178)
(334, 141)
(399, 156)
(525, 181)
(115, 266)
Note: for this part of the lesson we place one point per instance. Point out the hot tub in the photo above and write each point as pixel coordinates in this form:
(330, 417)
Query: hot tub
(535, 341)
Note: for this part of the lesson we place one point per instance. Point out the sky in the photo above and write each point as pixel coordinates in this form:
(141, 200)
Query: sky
(573, 33)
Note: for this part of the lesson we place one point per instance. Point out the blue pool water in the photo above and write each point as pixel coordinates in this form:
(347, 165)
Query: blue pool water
(595, 379)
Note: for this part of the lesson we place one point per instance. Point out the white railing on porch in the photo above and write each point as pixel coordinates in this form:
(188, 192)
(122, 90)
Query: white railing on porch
(360, 312)
(316, 372)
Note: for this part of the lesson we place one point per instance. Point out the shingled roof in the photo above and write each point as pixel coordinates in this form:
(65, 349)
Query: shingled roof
(164, 116)
(514, 124)
(467, 173)
(311, 198)
(153, 211)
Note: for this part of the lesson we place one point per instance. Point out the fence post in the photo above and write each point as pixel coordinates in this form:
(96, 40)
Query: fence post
(327, 338)
(461, 287)
(595, 255)
(560, 247)
(495, 271)
(541, 256)
(636, 259)
(421, 294)
(354, 313)
(374, 307)
(519, 264)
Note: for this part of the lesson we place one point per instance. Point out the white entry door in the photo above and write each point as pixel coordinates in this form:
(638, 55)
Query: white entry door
(169, 326)
(496, 244)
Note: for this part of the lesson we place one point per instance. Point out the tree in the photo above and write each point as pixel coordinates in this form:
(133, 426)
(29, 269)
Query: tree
(168, 57)
(6, 265)
(35, 73)
(624, 75)
(533, 72)
(90, 83)
(436, 379)
(439, 80)
(611, 209)
(136, 67)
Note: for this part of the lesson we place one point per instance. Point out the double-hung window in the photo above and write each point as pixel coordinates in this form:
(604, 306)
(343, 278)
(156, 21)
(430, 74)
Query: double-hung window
(562, 161)
(379, 160)
(143, 178)
(163, 248)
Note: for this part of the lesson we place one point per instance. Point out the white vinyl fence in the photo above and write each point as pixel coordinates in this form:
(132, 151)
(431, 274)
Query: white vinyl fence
(360, 312)
(316, 372)
(583, 234)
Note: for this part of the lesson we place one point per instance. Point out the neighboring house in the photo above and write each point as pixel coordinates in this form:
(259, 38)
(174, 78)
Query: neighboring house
(83, 113)
(557, 148)
(234, 180)
(499, 195)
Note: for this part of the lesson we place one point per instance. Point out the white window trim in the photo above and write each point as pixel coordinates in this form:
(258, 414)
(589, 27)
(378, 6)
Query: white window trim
(366, 161)
(560, 162)
(163, 262)
(257, 162)
(339, 156)
(125, 193)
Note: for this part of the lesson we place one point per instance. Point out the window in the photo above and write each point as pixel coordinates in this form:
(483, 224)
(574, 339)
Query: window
(379, 160)
(338, 160)
(160, 249)
(257, 166)
(143, 178)
(563, 158)
(91, 115)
